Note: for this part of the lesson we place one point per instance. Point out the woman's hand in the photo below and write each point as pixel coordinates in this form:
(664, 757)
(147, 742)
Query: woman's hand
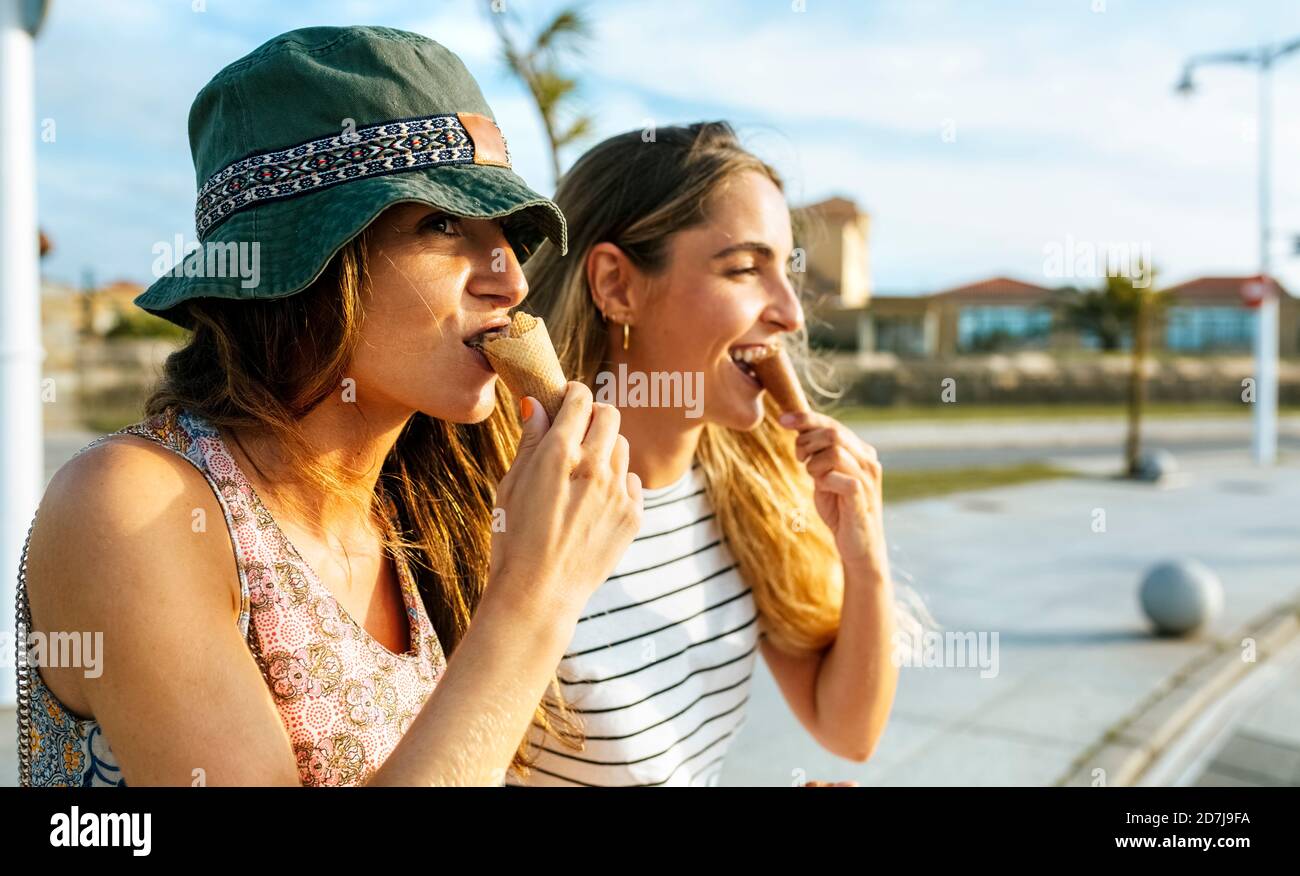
(566, 512)
(848, 495)
(570, 506)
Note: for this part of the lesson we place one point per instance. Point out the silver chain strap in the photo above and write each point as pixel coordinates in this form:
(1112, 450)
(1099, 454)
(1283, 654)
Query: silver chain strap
(23, 623)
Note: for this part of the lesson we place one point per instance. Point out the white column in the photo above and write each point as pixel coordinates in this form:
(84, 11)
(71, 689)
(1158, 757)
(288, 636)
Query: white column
(866, 331)
(21, 451)
(1265, 443)
(1266, 328)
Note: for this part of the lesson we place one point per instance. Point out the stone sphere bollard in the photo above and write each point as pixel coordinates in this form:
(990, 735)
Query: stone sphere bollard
(1152, 465)
(1180, 596)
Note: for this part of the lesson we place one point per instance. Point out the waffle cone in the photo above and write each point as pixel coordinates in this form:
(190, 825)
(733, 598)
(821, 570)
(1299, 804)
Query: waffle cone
(776, 373)
(525, 359)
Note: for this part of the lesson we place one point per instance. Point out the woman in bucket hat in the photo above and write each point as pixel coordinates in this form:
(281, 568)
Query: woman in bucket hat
(328, 424)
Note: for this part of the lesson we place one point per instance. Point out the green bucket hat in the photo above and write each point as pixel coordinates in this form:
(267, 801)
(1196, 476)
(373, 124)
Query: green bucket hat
(299, 145)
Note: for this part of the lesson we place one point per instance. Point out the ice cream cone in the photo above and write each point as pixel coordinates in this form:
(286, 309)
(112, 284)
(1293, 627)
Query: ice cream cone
(525, 359)
(776, 372)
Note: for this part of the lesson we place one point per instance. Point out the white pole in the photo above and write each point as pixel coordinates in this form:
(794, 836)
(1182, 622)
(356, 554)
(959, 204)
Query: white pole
(1266, 388)
(1266, 328)
(21, 353)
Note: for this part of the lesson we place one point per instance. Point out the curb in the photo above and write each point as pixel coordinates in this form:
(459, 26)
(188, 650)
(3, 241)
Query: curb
(1127, 749)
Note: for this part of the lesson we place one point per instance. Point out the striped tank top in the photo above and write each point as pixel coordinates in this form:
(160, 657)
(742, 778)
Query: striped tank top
(344, 698)
(658, 670)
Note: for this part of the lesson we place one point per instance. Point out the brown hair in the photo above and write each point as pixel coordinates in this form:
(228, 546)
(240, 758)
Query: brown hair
(263, 365)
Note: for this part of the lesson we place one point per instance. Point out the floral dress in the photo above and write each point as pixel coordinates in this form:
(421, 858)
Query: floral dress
(345, 699)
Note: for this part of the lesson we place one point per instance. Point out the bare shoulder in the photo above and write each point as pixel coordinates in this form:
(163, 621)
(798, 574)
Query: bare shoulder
(120, 551)
(120, 465)
(130, 504)
(124, 525)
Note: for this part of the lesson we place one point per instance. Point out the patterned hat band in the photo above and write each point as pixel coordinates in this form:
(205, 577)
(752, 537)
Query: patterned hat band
(388, 147)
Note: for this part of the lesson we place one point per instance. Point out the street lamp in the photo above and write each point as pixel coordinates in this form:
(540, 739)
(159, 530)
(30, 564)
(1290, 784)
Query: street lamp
(1266, 327)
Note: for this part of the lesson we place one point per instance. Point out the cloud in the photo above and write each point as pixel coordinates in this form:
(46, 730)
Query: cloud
(1064, 119)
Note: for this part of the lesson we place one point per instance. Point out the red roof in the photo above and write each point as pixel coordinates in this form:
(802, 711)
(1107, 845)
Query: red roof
(1211, 288)
(997, 288)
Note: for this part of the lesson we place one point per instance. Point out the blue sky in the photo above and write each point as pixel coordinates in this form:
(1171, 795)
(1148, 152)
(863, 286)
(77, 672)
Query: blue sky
(977, 135)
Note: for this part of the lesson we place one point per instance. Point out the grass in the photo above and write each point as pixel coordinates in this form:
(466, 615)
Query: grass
(903, 486)
(959, 411)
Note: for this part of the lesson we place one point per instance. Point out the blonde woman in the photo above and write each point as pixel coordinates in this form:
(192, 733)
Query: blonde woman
(760, 535)
(280, 562)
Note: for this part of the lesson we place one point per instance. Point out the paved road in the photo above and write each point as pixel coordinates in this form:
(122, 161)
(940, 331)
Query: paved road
(960, 443)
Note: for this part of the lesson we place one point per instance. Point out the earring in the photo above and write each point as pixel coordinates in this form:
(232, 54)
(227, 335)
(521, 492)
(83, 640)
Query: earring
(626, 331)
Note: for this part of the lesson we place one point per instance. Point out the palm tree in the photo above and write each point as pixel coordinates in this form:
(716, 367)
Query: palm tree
(1137, 382)
(1123, 306)
(1107, 314)
(539, 66)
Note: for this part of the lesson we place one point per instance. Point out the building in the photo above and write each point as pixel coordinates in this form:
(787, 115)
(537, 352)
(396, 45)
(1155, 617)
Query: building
(1204, 316)
(907, 326)
(832, 265)
(992, 315)
(68, 313)
(832, 235)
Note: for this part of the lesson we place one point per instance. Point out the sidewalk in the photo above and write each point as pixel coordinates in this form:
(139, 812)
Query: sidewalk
(1075, 655)
(1249, 737)
(1263, 749)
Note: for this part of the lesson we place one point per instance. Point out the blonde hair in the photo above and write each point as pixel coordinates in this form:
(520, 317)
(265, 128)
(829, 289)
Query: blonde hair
(635, 194)
(262, 366)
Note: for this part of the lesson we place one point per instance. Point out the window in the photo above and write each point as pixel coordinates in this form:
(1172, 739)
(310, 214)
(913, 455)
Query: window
(1210, 329)
(902, 336)
(989, 328)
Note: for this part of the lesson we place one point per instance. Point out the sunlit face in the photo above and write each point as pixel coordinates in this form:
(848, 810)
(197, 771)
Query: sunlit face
(432, 286)
(724, 287)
